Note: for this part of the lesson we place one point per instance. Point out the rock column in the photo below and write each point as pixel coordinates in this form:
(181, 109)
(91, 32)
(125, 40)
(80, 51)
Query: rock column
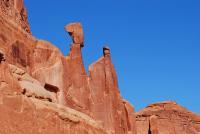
(77, 92)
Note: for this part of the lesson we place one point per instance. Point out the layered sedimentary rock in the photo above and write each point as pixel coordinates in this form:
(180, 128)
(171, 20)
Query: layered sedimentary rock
(43, 91)
(42, 87)
(167, 118)
(77, 92)
(30, 107)
(75, 30)
(103, 83)
(15, 11)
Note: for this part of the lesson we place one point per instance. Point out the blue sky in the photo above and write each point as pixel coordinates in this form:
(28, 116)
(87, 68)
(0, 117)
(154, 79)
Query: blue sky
(155, 44)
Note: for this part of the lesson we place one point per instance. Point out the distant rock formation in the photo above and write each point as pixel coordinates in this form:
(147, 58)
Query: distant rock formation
(42, 91)
(167, 118)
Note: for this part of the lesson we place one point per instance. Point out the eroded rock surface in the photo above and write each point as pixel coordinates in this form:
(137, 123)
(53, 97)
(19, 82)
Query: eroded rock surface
(75, 30)
(35, 74)
(15, 12)
(2, 56)
(24, 115)
(106, 98)
(167, 118)
(42, 91)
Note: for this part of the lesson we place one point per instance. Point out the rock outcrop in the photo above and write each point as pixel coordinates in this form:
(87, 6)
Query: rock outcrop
(75, 30)
(41, 81)
(167, 118)
(103, 83)
(15, 11)
(42, 91)
(27, 107)
(76, 92)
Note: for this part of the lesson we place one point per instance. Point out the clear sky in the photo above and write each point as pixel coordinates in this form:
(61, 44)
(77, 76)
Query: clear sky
(155, 44)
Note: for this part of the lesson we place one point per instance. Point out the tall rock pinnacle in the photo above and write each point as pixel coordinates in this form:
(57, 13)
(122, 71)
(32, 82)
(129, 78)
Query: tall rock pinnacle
(106, 97)
(77, 90)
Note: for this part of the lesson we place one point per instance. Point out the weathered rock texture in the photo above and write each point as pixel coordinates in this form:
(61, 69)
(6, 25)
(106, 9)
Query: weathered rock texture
(14, 11)
(46, 92)
(42, 91)
(167, 118)
(76, 32)
(103, 83)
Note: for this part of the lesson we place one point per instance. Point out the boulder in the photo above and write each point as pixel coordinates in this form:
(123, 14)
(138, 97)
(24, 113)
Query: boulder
(75, 30)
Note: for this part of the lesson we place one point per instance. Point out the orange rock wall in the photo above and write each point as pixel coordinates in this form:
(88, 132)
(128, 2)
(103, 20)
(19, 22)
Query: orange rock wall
(42, 91)
(167, 118)
(37, 65)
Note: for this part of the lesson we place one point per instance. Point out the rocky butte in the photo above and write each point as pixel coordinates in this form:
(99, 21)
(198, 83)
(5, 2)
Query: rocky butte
(42, 91)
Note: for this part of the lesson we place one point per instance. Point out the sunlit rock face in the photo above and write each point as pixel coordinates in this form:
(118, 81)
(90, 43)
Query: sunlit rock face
(43, 91)
(75, 30)
(119, 117)
(15, 12)
(167, 118)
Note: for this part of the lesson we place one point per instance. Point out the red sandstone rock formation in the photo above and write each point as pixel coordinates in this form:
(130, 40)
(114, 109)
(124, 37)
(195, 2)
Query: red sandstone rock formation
(167, 118)
(46, 87)
(42, 91)
(76, 32)
(15, 11)
(76, 91)
(105, 97)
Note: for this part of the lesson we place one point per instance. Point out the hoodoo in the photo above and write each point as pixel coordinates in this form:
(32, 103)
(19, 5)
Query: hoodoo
(77, 92)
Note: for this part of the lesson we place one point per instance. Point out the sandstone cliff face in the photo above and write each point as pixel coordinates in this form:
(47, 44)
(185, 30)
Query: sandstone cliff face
(103, 83)
(42, 91)
(27, 106)
(47, 92)
(15, 11)
(167, 118)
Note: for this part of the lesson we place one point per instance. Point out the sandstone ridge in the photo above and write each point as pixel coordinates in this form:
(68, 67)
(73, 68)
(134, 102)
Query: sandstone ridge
(167, 118)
